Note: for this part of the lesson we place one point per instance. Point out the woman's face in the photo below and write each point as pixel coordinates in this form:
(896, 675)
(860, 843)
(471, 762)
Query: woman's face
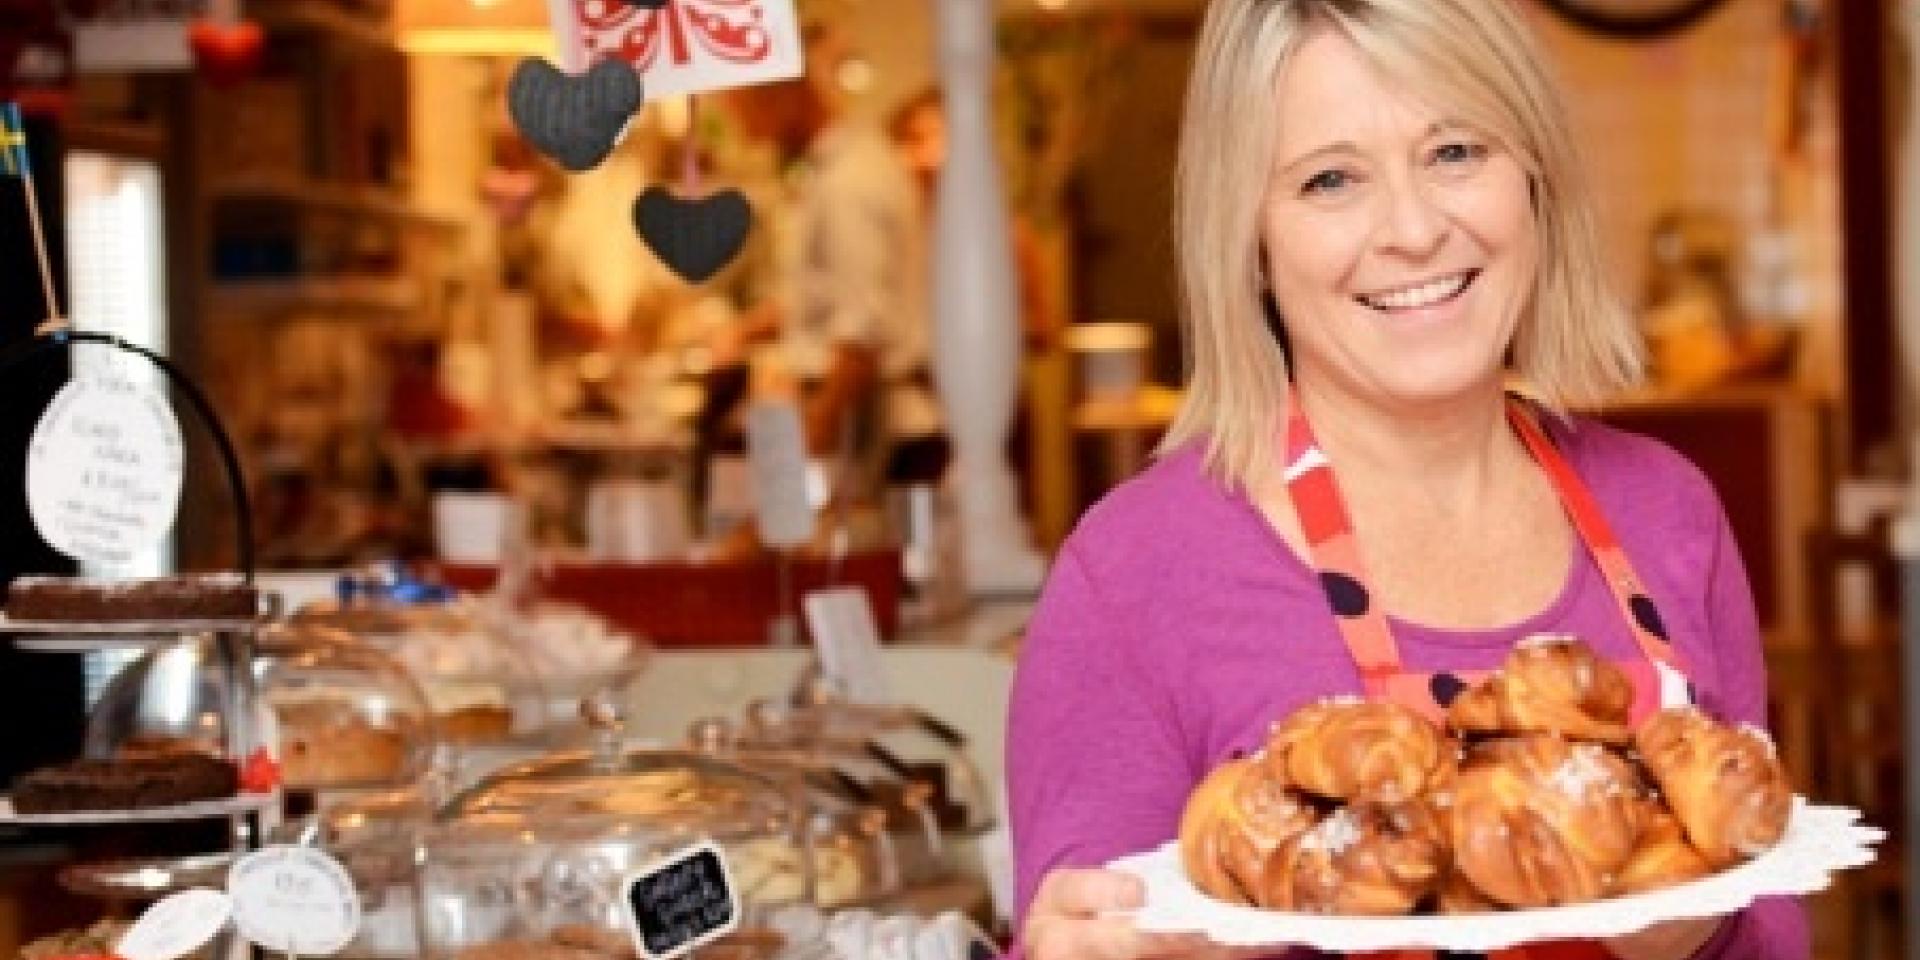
(1399, 242)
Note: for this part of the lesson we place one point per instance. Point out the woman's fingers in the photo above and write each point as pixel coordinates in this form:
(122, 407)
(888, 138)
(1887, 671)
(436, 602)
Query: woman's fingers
(1071, 919)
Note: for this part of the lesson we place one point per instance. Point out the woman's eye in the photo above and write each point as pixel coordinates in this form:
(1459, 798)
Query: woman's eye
(1326, 181)
(1455, 153)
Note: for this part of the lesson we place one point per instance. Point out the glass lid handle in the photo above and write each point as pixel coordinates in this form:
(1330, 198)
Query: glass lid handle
(711, 735)
(606, 722)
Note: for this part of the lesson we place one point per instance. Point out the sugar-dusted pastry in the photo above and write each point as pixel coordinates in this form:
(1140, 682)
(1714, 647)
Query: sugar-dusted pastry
(1664, 858)
(1457, 894)
(1233, 822)
(1540, 820)
(1347, 749)
(1549, 684)
(1724, 784)
(1364, 859)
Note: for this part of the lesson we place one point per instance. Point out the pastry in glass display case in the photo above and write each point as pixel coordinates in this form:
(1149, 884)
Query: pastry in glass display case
(165, 731)
(127, 783)
(480, 688)
(496, 666)
(346, 714)
(529, 862)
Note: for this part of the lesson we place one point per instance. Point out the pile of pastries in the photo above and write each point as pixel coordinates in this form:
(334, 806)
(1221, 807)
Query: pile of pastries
(1536, 793)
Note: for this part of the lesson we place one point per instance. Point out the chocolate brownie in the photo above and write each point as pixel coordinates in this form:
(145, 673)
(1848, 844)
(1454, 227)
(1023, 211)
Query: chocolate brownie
(74, 599)
(126, 784)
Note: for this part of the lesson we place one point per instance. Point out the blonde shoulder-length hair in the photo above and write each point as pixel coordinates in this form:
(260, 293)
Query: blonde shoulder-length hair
(1575, 344)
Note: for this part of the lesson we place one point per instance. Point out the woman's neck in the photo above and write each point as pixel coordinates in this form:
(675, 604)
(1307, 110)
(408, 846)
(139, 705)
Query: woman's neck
(1449, 454)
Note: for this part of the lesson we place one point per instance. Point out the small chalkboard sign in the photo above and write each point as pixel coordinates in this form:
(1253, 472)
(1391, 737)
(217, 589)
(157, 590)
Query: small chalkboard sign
(681, 903)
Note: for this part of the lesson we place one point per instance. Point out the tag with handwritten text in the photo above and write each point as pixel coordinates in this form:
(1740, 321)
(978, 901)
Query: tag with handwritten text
(176, 926)
(104, 469)
(681, 903)
(294, 900)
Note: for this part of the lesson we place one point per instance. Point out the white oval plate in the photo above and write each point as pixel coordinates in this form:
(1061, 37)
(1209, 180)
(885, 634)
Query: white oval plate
(1820, 841)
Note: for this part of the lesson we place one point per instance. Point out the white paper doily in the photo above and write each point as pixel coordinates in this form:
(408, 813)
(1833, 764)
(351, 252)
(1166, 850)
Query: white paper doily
(1819, 842)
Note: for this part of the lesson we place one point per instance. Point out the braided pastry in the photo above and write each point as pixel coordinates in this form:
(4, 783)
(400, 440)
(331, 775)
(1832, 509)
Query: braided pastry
(1664, 858)
(1549, 684)
(1351, 749)
(1365, 859)
(1539, 821)
(1232, 823)
(1724, 784)
(1457, 894)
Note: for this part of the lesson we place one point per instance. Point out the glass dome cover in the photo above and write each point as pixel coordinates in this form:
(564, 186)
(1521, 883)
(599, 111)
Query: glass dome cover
(187, 695)
(479, 687)
(494, 670)
(346, 714)
(530, 861)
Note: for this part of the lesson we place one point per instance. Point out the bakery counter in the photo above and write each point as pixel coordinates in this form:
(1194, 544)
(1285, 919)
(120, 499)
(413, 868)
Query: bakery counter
(714, 604)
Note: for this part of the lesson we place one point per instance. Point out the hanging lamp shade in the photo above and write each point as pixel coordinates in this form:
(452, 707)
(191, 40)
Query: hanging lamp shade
(474, 27)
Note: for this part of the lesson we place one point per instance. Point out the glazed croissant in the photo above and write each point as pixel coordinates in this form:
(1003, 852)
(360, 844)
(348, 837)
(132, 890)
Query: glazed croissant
(1549, 684)
(1232, 824)
(1665, 858)
(1364, 859)
(1457, 894)
(1350, 749)
(1725, 784)
(1540, 820)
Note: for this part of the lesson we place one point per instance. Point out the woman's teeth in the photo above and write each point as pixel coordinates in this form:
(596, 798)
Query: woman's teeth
(1424, 295)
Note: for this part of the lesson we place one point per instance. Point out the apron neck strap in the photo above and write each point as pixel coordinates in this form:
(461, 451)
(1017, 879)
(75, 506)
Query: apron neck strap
(1335, 551)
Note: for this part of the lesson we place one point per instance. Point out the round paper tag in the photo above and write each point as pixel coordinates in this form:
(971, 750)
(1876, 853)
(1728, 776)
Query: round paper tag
(294, 900)
(103, 470)
(176, 926)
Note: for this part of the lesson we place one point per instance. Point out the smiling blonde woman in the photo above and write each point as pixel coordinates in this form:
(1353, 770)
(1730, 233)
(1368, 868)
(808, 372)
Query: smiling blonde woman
(1578, 344)
(1380, 230)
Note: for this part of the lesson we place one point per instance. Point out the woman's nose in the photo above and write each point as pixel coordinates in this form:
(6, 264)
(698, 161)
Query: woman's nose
(1411, 223)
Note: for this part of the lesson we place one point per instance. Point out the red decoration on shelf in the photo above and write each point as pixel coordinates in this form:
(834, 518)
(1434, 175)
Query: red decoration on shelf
(260, 773)
(226, 53)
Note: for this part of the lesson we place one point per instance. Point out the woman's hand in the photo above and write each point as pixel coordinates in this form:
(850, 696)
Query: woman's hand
(1069, 921)
(1672, 940)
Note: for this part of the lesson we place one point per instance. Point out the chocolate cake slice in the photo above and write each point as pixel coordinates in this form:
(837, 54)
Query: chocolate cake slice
(126, 784)
(219, 596)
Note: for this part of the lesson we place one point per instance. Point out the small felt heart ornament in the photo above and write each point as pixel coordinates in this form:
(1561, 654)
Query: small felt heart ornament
(694, 237)
(576, 120)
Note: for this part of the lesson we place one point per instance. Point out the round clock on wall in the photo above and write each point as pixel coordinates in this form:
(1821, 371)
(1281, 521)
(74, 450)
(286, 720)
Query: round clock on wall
(1633, 19)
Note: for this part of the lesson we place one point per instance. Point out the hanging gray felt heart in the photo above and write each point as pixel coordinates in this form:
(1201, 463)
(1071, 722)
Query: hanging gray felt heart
(694, 238)
(647, 4)
(574, 120)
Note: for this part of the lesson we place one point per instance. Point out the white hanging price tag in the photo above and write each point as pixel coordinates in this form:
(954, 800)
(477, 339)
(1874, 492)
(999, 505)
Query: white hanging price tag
(104, 470)
(176, 926)
(294, 900)
(777, 450)
(848, 642)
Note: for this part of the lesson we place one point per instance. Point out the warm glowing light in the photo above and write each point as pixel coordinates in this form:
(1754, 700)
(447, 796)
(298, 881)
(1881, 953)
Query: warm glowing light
(675, 116)
(462, 42)
(855, 75)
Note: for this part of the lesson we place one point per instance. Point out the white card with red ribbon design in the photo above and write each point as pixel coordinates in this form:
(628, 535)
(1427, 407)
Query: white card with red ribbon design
(684, 46)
